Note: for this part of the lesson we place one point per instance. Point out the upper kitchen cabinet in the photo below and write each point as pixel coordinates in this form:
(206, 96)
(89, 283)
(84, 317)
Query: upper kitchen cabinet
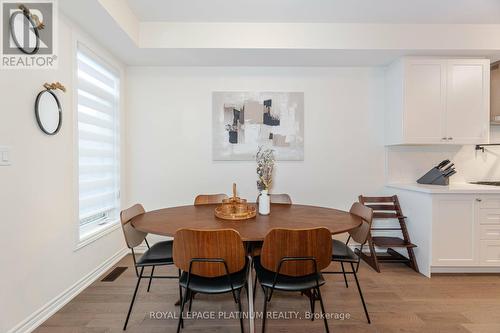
(495, 93)
(437, 101)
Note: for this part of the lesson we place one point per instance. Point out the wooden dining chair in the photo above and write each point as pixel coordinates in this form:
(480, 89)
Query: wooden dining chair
(208, 199)
(281, 198)
(212, 262)
(159, 254)
(292, 260)
(342, 253)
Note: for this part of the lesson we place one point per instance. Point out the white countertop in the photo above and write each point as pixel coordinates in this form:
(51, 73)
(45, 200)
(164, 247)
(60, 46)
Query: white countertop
(462, 188)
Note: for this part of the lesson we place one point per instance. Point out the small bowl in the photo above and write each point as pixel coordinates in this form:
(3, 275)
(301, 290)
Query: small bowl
(227, 208)
(241, 208)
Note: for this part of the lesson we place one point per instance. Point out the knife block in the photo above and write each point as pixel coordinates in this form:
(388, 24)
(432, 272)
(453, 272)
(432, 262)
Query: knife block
(434, 177)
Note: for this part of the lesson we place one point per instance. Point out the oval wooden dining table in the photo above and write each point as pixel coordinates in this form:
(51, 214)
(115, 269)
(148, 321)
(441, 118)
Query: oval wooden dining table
(167, 221)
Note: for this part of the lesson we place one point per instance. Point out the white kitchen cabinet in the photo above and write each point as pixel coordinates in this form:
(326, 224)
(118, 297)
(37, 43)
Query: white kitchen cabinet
(466, 230)
(425, 93)
(489, 232)
(467, 101)
(456, 228)
(454, 239)
(437, 101)
(488, 223)
(490, 252)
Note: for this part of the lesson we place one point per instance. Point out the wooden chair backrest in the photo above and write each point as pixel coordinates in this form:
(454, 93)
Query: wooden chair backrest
(207, 199)
(281, 243)
(209, 244)
(133, 237)
(361, 233)
(283, 199)
(383, 207)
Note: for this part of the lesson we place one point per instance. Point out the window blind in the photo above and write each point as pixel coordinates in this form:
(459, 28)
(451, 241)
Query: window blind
(98, 139)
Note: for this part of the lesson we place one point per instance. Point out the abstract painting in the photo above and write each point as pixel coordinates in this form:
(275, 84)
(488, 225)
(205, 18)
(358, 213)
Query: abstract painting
(243, 121)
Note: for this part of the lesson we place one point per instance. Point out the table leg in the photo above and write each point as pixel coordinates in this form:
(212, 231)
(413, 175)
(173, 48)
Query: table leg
(251, 314)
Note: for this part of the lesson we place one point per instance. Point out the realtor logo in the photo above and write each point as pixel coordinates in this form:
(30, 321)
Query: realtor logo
(28, 34)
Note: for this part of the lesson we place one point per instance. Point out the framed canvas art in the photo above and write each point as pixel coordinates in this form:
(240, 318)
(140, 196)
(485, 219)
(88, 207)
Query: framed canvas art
(243, 121)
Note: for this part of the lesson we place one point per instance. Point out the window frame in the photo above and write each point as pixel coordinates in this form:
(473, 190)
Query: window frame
(94, 230)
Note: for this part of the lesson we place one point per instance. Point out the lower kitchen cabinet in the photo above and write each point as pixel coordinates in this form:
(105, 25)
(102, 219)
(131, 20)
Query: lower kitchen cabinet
(454, 239)
(466, 230)
(456, 228)
(490, 252)
(488, 218)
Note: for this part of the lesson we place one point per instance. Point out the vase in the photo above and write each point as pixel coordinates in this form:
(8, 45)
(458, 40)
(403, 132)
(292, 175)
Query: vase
(233, 137)
(264, 203)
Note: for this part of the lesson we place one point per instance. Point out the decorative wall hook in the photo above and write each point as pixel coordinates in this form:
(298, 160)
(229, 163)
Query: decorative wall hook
(54, 86)
(35, 18)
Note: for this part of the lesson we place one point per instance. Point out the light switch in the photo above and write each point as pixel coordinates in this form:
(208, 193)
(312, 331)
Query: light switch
(4, 156)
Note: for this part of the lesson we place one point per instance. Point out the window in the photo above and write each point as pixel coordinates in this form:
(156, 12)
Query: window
(98, 95)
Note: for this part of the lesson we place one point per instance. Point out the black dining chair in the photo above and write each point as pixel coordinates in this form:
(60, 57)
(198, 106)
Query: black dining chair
(212, 262)
(292, 260)
(343, 254)
(160, 254)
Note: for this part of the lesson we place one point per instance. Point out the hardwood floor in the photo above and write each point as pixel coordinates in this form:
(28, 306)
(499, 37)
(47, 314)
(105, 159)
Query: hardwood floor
(399, 300)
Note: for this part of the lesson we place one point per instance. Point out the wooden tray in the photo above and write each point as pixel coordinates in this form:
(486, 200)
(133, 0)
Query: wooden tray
(250, 213)
(228, 209)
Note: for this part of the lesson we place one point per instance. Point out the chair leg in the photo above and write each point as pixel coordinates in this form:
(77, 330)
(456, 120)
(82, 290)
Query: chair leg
(345, 277)
(374, 258)
(133, 299)
(254, 286)
(181, 320)
(151, 277)
(310, 295)
(264, 313)
(191, 296)
(361, 294)
(313, 303)
(323, 313)
(413, 259)
(240, 313)
(180, 290)
(359, 259)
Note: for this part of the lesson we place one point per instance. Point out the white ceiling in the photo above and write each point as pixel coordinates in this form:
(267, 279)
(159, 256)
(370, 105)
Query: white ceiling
(276, 58)
(107, 28)
(353, 11)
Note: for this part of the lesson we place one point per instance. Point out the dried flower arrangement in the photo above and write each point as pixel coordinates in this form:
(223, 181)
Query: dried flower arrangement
(265, 165)
(231, 128)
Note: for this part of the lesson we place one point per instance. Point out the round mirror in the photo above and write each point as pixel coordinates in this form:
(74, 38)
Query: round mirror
(21, 22)
(48, 112)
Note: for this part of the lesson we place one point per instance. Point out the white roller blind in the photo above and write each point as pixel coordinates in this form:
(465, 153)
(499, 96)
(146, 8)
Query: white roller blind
(98, 95)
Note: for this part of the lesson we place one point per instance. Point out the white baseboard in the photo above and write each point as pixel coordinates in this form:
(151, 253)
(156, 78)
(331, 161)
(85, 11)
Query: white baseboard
(458, 270)
(38, 317)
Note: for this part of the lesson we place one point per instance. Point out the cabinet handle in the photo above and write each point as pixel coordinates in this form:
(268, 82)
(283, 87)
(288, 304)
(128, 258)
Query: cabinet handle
(444, 138)
(479, 200)
(450, 138)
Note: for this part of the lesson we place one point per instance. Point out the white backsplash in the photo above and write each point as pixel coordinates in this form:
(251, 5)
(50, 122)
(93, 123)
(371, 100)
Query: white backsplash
(408, 163)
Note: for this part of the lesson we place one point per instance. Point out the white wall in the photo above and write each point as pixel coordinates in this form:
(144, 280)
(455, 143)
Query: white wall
(38, 229)
(408, 163)
(169, 134)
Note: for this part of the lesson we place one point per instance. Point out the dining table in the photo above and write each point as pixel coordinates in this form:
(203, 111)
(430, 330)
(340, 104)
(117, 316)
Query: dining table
(167, 221)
